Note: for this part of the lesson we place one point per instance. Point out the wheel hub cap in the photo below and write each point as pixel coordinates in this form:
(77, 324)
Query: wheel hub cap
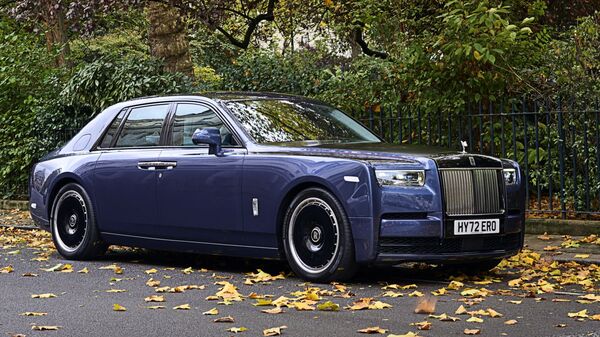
(315, 235)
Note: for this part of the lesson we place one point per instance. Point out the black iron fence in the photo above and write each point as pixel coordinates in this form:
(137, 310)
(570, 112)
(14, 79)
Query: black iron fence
(554, 141)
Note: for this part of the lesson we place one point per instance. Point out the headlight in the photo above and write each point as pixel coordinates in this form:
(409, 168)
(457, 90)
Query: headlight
(510, 176)
(409, 178)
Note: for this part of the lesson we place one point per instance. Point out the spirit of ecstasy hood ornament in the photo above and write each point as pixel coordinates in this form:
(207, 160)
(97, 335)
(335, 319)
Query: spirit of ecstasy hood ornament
(464, 145)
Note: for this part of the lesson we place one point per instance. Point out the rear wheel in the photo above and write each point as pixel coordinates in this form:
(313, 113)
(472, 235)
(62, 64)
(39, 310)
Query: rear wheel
(317, 238)
(74, 229)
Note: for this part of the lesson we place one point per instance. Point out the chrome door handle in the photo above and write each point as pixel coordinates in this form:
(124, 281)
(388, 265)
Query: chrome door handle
(157, 165)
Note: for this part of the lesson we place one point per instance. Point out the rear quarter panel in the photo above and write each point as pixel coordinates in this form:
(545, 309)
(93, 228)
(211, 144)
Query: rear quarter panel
(47, 177)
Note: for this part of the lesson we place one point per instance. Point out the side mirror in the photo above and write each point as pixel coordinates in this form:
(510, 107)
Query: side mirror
(210, 136)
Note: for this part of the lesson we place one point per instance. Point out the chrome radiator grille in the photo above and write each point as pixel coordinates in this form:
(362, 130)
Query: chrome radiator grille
(472, 191)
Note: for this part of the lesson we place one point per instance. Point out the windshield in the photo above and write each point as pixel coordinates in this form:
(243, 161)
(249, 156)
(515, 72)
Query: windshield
(305, 123)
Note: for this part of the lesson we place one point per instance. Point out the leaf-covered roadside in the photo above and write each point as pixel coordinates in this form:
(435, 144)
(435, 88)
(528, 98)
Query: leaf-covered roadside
(467, 303)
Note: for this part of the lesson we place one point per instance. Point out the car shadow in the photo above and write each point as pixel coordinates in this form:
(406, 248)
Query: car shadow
(402, 273)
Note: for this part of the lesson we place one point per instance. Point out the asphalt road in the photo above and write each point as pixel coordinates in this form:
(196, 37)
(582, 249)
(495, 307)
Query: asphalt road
(82, 307)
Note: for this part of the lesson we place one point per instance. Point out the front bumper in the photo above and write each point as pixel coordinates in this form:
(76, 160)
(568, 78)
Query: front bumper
(428, 239)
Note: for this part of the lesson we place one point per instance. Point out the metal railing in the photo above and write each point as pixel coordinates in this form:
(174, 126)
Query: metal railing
(556, 142)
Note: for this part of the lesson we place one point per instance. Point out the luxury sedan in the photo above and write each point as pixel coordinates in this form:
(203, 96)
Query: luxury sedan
(265, 175)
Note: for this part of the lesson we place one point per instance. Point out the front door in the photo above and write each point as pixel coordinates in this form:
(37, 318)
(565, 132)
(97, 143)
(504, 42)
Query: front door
(200, 195)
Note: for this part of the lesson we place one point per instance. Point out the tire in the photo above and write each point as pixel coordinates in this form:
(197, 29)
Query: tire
(475, 267)
(317, 238)
(73, 225)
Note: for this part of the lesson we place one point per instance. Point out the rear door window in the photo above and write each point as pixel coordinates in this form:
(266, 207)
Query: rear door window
(143, 126)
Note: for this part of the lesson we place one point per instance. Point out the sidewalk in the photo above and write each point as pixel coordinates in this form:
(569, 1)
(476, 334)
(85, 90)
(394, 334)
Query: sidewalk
(564, 248)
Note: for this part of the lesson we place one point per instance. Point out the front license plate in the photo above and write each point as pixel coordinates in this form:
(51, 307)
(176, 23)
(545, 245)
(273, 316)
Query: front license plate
(476, 226)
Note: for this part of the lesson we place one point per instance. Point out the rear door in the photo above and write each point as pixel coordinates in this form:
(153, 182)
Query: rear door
(199, 197)
(126, 173)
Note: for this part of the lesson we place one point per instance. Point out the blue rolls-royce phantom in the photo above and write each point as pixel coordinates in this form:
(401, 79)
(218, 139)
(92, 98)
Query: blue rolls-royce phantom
(272, 176)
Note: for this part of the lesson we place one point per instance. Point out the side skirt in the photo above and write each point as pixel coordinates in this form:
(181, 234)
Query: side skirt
(209, 248)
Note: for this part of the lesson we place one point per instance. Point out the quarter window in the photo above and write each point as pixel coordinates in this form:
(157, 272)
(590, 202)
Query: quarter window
(143, 126)
(191, 117)
(112, 130)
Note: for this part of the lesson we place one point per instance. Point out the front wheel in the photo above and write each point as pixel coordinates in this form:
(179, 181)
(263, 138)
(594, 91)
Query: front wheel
(317, 238)
(74, 229)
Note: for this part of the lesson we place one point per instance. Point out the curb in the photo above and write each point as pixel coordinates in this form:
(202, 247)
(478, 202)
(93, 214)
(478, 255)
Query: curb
(562, 227)
(22, 205)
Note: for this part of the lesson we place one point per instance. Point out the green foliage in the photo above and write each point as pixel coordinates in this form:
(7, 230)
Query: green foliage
(119, 44)
(25, 82)
(106, 81)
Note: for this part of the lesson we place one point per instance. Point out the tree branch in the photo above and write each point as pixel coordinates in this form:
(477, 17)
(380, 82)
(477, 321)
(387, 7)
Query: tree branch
(252, 25)
(357, 34)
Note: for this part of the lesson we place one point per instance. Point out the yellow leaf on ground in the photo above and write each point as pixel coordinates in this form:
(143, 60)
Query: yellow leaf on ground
(475, 319)
(274, 331)
(455, 285)
(511, 322)
(154, 307)
(445, 318)
(45, 327)
(544, 237)
(439, 292)
(425, 325)
(236, 330)
(182, 307)
(118, 307)
(43, 296)
(303, 306)
(391, 293)
(579, 314)
(461, 311)
(399, 287)
(261, 276)
(7, 269)
(591, 297)
(85, 270)
(276, 310)
(328, 306)
(373, 330)
(472, 331)
(30, 313)
(226, 319)
(116, 269)
(261, 302)
(493, 313)
(213, 311)
(582, 256)
(415, 294)
(595, 317)
(515, 302)
(154, 298)
(152, 283)
(228, 292)
(408, 334)
(187, 270)
(116, 290)
(151, 271)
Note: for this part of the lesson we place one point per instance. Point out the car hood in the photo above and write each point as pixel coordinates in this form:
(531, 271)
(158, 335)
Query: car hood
(363, 151)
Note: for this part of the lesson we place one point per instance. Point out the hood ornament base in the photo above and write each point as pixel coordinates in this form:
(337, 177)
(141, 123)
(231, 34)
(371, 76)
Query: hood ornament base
(464, 145)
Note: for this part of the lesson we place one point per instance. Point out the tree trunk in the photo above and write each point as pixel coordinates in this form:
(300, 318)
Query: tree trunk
(56, 31)
(167, 38)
